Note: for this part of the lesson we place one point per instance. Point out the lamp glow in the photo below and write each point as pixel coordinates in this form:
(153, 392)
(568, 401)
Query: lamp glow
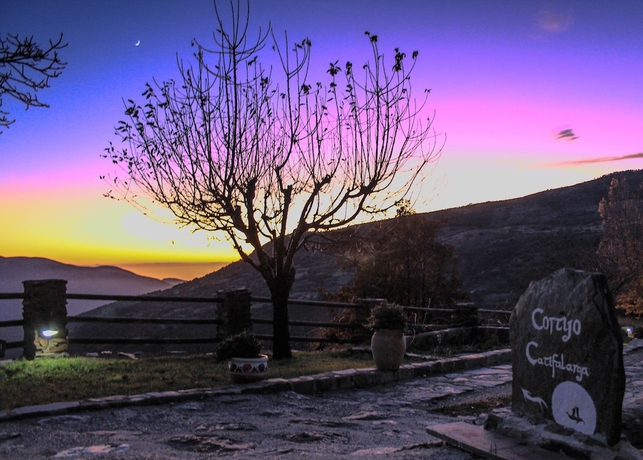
(48, 333)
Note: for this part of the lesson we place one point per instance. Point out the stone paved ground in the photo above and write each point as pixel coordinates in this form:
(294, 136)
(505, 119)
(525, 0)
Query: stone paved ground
(386, 421)
(633, 399)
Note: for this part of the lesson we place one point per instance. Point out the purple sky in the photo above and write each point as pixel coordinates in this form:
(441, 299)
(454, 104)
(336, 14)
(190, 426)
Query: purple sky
(506, 78)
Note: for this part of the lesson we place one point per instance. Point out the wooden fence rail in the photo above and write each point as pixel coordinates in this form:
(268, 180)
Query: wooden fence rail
(122, 319)
(11, 295)
(179, 321)
(211, 322)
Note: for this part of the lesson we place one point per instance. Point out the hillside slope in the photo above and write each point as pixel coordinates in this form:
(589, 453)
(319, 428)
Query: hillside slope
(500, 246)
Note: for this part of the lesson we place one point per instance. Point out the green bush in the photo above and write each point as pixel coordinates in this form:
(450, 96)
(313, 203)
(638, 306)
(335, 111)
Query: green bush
(387, 316)
(638, 332)
(243, 345)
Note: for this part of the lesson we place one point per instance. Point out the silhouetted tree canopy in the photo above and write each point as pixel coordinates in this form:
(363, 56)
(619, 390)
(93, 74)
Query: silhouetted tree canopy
(268, 156)
(25, 68)
(620, 252)
(401, 260)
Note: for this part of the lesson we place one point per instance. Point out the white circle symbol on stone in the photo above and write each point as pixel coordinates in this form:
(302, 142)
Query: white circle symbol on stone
(573, 407)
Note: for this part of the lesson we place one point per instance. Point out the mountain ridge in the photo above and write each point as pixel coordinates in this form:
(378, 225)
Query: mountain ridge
(14, 270)
(80, 280)
(501, 246)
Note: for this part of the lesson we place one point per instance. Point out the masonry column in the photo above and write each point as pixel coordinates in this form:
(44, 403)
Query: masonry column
(44, 310)
(234, 312)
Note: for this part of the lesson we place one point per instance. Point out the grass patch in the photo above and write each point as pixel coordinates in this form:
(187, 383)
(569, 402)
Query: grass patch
(476, 407)
(453, 350)
(43, 381)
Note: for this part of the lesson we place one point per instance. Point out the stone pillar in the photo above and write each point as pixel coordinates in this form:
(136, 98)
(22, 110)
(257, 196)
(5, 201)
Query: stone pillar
(466, 315)
(234, 312)
(361, 315)
(45, 318)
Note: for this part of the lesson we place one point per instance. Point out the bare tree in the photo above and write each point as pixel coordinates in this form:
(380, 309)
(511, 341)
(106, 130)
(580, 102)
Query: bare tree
(26, 68)
(620, 252)
(268, 158)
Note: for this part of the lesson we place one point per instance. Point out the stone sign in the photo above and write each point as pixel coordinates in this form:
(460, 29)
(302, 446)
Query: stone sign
(567, 354)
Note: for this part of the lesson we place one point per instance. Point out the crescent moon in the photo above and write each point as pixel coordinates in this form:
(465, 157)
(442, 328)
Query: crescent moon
(138, 43)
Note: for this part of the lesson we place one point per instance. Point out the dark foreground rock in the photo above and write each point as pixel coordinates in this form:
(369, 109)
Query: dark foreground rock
(568, 354)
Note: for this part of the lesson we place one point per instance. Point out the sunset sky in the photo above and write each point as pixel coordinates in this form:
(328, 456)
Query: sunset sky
(505, 76)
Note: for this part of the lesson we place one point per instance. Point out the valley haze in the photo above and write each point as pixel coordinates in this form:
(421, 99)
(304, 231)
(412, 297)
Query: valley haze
(80, 280)
(501, 246)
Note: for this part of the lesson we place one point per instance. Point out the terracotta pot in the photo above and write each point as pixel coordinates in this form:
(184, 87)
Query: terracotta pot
(248, 370)
(388, 347)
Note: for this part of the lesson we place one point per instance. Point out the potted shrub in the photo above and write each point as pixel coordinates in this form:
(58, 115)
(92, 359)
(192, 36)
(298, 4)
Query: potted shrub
(246, 363)
(388, 322)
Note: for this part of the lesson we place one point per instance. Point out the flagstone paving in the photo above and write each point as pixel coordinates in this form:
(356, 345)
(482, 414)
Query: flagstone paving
(387, 420)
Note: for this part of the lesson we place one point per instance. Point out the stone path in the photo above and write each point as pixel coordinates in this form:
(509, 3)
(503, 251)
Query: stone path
(633, 399)
(382, 421)
(386, 421)
(309, 385)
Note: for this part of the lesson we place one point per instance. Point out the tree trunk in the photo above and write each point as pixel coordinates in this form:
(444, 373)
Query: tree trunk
(280, 292)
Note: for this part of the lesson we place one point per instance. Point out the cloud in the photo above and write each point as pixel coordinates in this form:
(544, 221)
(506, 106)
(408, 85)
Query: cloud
(599, 160)
(566, 134)
(551, 22)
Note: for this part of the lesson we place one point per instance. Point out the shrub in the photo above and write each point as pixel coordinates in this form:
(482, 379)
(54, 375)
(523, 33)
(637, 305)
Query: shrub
(387, 316)
(638, 332)
(243, 345)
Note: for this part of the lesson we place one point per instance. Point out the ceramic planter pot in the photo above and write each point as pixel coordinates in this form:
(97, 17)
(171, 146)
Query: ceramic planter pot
(388, 347)
(248, 370)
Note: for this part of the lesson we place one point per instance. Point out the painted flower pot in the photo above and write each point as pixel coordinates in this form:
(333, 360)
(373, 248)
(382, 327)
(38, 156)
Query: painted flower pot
(248, 370)
(388, 347)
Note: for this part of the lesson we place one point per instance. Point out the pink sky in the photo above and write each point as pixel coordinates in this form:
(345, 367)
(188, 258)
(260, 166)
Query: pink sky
(505, 78)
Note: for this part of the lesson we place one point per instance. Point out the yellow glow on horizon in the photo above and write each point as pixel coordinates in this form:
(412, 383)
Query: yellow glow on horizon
(78, 226)
(482, 180)
(182, 270)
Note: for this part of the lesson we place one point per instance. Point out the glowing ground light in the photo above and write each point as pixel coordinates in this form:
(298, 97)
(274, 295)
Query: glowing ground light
(47, 333)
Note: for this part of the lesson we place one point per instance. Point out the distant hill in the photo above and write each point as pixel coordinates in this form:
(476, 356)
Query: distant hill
(86, 280)
(501, 246)
(81, 280)
(314, 270)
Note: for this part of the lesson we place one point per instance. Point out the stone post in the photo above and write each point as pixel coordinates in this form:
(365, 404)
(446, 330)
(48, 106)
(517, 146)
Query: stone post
(45, 318)
(361, 314)
(234, 312)
(466, 315)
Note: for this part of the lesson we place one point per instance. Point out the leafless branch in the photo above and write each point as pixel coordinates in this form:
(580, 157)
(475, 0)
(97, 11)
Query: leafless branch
(247, 145)
(26, 68)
